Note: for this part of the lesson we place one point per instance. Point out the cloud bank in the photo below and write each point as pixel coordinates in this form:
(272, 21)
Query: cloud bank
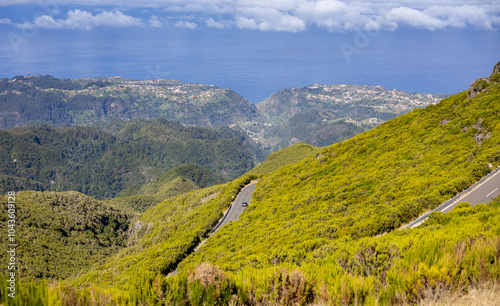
(83, 20)
(265, 15)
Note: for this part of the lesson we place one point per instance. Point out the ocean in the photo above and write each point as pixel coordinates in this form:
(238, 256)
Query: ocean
(254, 63)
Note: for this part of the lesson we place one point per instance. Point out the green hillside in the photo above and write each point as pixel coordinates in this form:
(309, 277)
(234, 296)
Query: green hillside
(102, 164)
(176, 181)
(323, 230)
(58, 234)
(284, 157)
(450, 254)
(163, 235)
(363, 187)
(367, 185)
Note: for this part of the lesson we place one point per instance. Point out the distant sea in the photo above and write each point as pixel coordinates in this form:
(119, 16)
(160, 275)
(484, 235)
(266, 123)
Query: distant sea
(256, 64)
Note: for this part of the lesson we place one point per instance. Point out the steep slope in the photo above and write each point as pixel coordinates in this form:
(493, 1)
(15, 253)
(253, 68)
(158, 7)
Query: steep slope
(163, 235)
(373, 182)
(449, 256)
(362, 187)
(284, 157)
(102, 164)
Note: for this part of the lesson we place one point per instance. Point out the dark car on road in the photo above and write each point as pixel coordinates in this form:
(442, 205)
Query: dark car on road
(244, 204)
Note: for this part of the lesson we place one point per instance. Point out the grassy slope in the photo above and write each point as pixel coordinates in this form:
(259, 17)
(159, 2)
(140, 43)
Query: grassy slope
(367, 185)
(283, 157)
(451, 255)
(362, 187)
(163, 235)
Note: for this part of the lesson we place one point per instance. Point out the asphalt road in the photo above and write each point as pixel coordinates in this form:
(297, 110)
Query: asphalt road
(245, 195)
(482, 193)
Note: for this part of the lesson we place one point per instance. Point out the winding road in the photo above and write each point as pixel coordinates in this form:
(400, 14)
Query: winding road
(234, 212)
(245, 195)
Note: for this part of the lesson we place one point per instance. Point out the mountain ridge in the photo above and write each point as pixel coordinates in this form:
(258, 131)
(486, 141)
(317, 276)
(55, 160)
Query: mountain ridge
(95, 101)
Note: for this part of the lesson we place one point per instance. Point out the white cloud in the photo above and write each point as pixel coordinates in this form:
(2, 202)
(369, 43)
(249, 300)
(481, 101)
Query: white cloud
(461, 16)
(440, 17)
(268, 19)
(83, 20)
(284, 15)
(416, 18)
(322, 8)
(155, 22)
(5, 21)
(211, 23)
(186, 24)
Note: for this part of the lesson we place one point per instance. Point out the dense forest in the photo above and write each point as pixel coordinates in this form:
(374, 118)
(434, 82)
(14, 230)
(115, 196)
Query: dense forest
(62, 233)
(102, 164)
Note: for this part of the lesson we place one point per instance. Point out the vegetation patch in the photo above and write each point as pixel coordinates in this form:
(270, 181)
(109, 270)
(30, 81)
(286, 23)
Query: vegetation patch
(103, 163)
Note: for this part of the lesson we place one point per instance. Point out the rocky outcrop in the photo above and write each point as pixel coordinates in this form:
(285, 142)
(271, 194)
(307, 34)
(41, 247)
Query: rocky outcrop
(478, 86)
(483, 84)
(481, 134)
(496, 69)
